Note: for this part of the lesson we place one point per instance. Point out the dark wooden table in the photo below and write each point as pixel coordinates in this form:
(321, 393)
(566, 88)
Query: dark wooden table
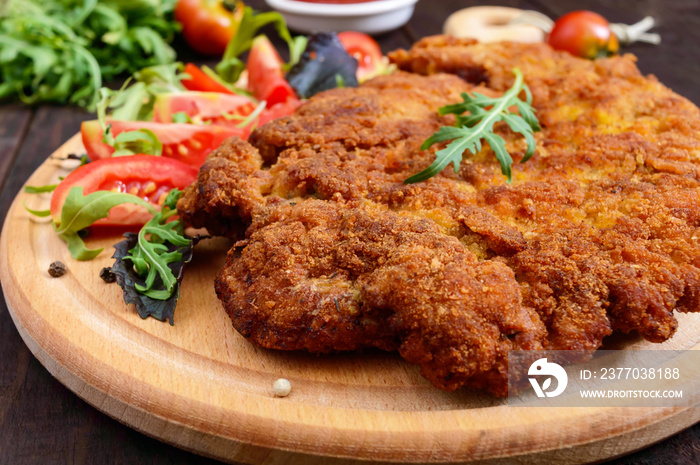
(42, 422)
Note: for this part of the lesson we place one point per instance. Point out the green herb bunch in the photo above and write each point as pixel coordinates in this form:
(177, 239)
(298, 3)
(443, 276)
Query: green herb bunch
(62, 50)
(476, 116)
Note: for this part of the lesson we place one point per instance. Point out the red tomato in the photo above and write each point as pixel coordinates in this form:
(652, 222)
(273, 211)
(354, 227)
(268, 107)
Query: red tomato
(208, 25)
(200, 81)
(584, 34)
(188, 143)
(149, 177)
(265, 75)
(366, 51)
(205, 106)
(279, 110)
(210, 106)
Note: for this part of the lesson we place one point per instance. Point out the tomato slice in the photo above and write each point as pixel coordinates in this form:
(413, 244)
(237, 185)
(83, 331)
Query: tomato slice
(204, 106)
(200, 81)
(149, 177)
(211, 106)
(366, 51)
(279, 110)
(188, 143)
(265, 75)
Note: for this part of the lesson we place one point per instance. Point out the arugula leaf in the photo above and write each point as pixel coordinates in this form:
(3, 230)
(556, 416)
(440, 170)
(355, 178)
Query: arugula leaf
(42, 59)
(231, 67)
(80, 211)
(40, 189)
(142, 141)
(471, 128)
(246, 121)
(38, 213)
(182, 117)
(296, 49)
(161, 79)
(230, 86)
(128, 279)
(149, 265)
(152, 255)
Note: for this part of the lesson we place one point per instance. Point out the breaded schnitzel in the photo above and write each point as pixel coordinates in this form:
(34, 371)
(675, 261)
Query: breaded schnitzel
(597, 232)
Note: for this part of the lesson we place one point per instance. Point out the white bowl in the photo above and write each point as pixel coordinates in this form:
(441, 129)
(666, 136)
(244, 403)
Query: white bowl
(371, 17)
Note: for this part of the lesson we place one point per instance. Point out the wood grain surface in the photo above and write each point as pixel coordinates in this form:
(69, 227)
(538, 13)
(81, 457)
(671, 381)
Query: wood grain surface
(43, 422)
(201, 386)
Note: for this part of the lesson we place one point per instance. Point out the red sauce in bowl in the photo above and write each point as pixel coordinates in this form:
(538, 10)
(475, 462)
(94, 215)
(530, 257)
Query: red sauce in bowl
(337, 2)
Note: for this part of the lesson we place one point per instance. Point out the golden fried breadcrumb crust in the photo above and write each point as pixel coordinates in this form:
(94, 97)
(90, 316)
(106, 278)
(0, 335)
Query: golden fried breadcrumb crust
(597, 232)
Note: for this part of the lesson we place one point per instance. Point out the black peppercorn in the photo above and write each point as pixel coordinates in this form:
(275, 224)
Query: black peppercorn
(107, 275)
(57, 269)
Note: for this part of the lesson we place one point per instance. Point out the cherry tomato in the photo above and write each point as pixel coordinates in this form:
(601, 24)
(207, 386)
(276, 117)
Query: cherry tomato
(207, 107)
(149, 177)
(366, 51)
(208, 25)
(265, 75)
(189, 143)
(584, 34)
(200, 81)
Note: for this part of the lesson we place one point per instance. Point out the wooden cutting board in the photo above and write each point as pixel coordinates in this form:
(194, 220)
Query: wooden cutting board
(201, 386)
